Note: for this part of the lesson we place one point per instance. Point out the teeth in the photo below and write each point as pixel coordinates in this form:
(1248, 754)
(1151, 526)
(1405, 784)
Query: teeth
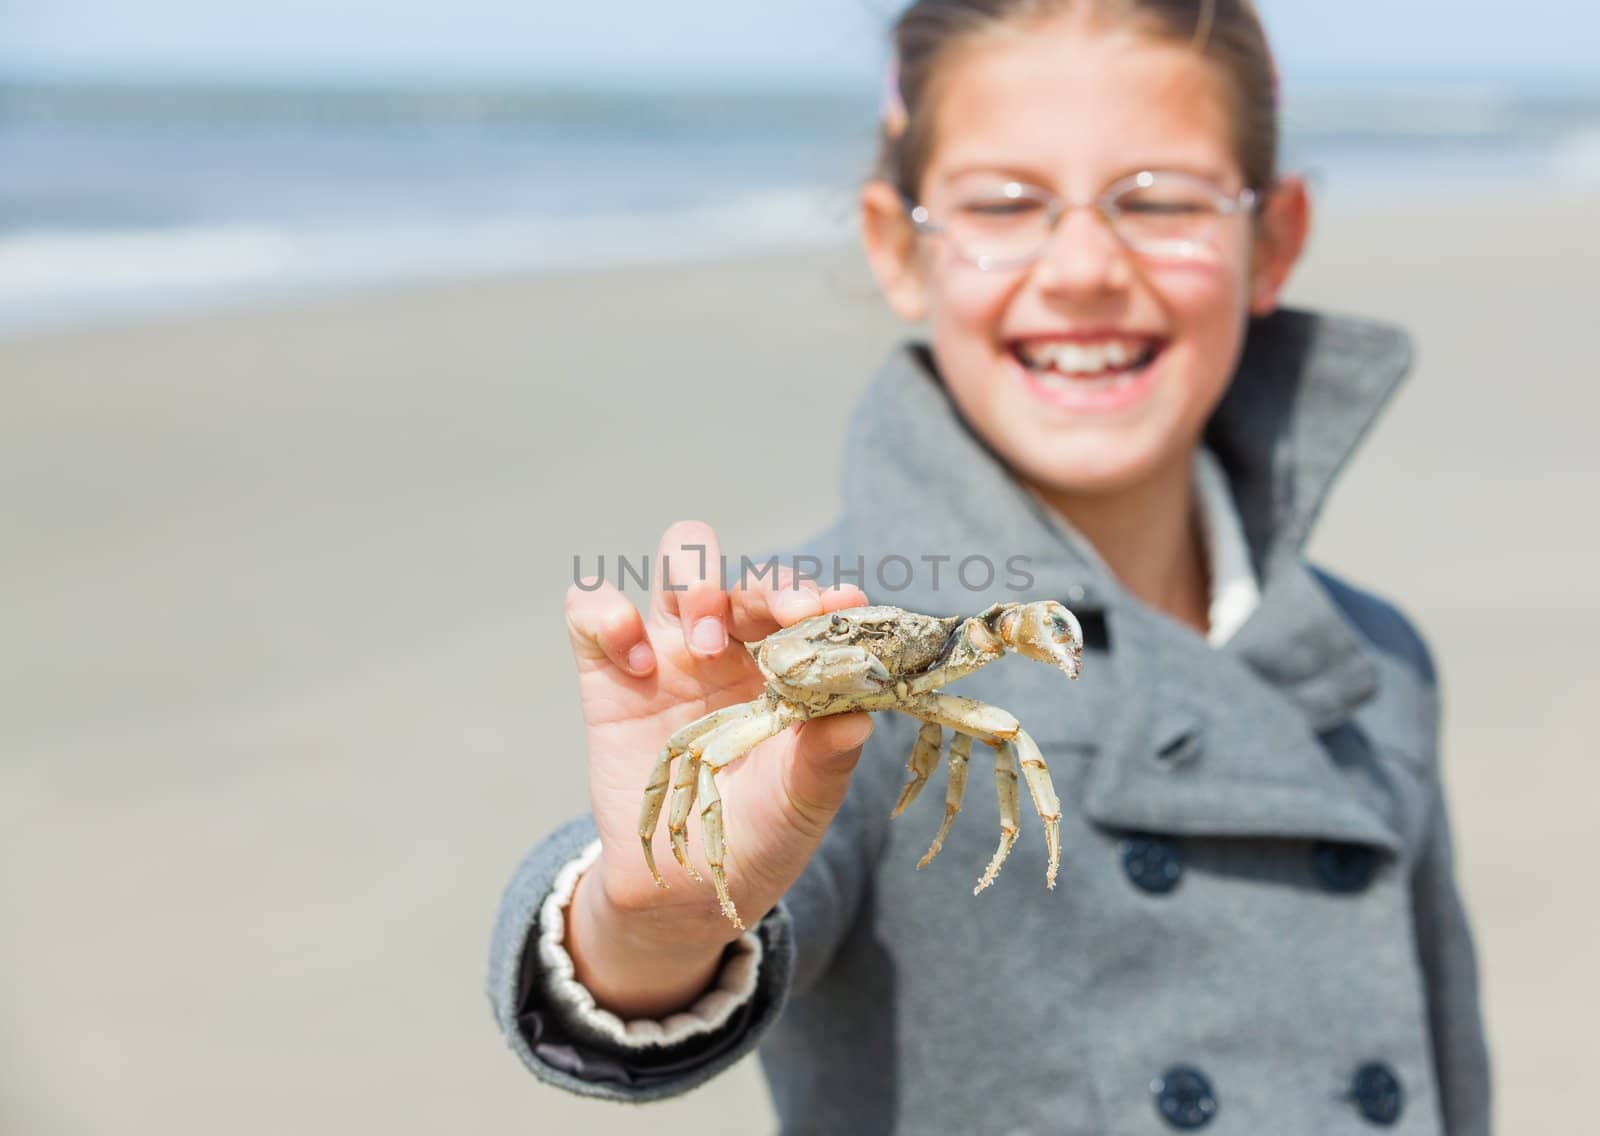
(1082, 358)
(1072, 357)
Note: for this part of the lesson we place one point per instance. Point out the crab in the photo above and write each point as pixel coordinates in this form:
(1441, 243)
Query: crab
(875, 658)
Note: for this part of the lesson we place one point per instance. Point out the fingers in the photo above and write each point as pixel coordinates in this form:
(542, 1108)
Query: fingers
(843, 595)
(603, 626)
(687, 591)
(825, 754)
(687, 594)
(762, 605)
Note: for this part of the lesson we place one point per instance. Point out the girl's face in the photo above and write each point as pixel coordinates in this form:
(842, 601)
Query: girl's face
(1073, 110)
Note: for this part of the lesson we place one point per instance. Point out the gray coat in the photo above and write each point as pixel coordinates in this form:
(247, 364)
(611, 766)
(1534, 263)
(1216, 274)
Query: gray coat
(1257, 927)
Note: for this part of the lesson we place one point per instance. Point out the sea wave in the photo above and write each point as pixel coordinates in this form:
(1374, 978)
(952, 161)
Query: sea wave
(53, 277)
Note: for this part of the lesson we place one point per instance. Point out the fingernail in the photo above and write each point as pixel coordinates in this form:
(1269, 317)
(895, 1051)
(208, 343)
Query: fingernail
(708, 636)
(640, 658)
(845, 736)
(802, 599)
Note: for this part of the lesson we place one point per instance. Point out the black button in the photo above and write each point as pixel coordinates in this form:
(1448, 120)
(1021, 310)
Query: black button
(1153, 863)
(1184, 1097)
(1344, 868)
(1377, 1094)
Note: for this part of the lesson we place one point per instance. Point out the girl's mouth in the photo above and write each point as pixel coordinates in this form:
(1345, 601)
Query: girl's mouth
(1103, 373)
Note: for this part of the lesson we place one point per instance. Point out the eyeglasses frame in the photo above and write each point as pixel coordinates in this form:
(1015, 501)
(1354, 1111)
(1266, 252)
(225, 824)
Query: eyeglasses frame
(1247, 200)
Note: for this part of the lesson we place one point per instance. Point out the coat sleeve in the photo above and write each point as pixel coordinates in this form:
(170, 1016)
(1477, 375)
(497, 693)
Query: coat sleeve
(1444, 941)
(1447, 954)
(1443, 936)
(559, 1048)
(798, 938)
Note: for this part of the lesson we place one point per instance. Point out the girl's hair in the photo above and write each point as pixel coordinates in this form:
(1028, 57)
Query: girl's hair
(930, 32)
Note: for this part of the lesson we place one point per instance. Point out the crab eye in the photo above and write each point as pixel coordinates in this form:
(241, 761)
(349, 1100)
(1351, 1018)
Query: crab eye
(1059, 624)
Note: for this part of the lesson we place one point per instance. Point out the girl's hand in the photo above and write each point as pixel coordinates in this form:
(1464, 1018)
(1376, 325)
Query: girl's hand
(640, 679)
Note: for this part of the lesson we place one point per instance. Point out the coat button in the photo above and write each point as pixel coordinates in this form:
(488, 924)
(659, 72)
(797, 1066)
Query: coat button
(1344, 868)
(1184, 1097)
(1153, 863)
(1377, 1094)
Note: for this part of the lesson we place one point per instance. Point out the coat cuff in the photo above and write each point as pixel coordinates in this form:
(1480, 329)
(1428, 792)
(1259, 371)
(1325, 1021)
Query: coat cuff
(571, 1053)
(569, 998)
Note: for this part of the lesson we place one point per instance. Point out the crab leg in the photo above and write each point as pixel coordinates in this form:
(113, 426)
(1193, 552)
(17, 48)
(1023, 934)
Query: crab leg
(960, 751)
(655, 792)
(683, 790)
(724, 746)
(1045, 801)
(924, 756)
(995, 726)
(1005, 787)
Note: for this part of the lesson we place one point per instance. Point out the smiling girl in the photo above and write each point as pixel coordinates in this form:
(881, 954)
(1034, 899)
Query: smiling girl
(1257, 927)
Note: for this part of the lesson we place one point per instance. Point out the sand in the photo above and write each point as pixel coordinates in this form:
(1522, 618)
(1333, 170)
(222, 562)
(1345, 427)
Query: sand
(287, 694)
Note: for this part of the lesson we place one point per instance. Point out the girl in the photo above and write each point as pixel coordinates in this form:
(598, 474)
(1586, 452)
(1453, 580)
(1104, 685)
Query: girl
(1257, 927)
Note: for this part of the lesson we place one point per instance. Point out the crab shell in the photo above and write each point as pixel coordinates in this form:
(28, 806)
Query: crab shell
(846, 657)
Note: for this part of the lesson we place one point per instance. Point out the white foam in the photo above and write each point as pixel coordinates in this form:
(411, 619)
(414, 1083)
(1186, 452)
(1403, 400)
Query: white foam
(45, 264)
(66, 277)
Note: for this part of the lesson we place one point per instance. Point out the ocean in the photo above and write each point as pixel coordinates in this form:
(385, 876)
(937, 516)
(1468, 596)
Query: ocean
(124, 201)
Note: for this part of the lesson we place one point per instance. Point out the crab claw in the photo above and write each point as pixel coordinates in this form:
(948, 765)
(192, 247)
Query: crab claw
(1045, 632)
(829, 668)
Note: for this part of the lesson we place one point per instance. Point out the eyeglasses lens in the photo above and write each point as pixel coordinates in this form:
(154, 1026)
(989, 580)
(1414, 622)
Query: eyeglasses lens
(1156, 214)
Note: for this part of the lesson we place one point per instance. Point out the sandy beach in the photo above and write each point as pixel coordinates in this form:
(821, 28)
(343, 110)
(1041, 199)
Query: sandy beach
(287, 691)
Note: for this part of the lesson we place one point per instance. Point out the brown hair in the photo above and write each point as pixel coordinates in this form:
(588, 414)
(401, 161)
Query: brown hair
(1228, 32)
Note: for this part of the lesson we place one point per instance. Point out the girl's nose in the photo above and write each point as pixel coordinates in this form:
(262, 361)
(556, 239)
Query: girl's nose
(1082, 254)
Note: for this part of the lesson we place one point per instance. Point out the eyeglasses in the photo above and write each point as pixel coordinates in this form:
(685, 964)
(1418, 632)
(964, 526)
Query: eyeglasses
(1158, 213)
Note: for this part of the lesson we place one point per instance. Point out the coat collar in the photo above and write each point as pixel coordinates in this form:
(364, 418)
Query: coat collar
(917, 481)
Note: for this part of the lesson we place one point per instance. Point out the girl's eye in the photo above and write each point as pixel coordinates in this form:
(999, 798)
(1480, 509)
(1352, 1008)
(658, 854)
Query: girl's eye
(1000, 208)
(1163, 208)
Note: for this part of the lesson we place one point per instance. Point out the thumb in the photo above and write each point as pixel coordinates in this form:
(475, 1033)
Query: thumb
(825, 754)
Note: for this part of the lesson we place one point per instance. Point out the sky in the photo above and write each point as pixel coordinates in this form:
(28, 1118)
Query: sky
(801, 43)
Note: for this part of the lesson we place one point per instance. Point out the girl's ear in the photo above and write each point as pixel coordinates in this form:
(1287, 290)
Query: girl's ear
(892, 250)
(1281, 233)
